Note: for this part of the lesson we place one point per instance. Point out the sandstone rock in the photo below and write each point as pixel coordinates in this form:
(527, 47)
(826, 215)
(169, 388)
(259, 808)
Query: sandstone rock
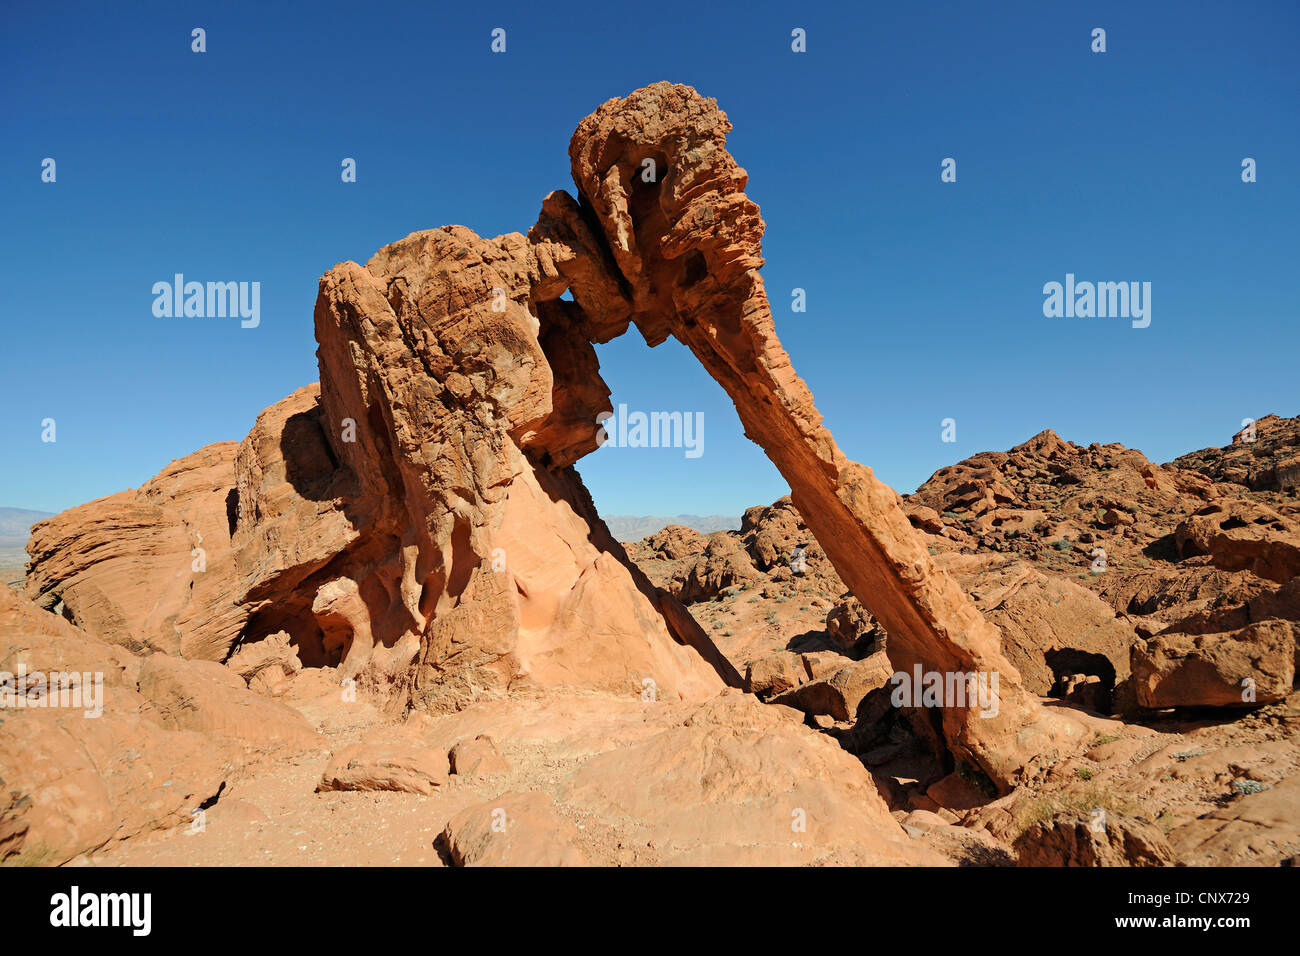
(1254, 828)
(839, 695)
(419, 525)
(721, 565)
(821, 665)
(849, 622)
(676, 542)
(291, 523)
(1071, 840)
(148, 569)
(519, 829)
(733, 782)
(954, 792)
(1242, 536)
(1051, 628)
(1264, 457)
(688, 249)
(209, 698)
(266, 665)
(773, 533)
(1116, 518)
(774, 674)
(494, 568)
(926, 519)
(1208, 670)
(478, 757)
(390, 758)
(81, 777)
(964, 846)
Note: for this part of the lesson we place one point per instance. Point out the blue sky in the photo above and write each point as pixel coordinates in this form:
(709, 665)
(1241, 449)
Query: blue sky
(924, 298)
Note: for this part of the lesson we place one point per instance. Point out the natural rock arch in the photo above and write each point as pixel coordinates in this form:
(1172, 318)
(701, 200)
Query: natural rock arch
(416, 520)
(683, 252)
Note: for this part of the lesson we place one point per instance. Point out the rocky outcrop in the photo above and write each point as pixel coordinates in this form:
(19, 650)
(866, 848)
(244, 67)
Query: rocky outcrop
(415, 527)
(1073, 840)
(1242, 536)
(1263, 456)
(148, 569)
(92, 767)
(1051, 628)
(1245, 668)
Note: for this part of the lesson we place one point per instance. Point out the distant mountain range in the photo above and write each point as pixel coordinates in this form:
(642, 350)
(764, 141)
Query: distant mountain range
(636, 527)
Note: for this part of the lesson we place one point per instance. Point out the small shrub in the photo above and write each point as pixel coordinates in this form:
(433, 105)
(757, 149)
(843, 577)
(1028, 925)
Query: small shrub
(1247, 787)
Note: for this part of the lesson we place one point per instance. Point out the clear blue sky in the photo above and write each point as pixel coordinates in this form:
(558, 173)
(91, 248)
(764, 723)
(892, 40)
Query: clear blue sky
(924, 298)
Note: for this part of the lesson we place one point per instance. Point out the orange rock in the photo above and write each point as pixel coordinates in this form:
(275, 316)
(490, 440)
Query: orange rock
(1240, 536)
(148, 569)
(1250, 667)
(478, 757)
(418, 523)
(206, 697)
(1069, 839)
(390, 758)
(75, 779)
(735, 782)
(520, 829)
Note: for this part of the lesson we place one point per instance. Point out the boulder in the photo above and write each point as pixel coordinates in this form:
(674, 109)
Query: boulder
(266, 665)
(389, 758)
(1243, 536)
(1071, 840)
(1249, 667)
(838, 695)
(518, 829)
(849, 622)
(774, 674)
(477, 757)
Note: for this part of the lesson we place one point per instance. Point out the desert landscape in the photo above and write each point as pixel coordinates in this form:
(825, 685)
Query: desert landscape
(388, 626)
